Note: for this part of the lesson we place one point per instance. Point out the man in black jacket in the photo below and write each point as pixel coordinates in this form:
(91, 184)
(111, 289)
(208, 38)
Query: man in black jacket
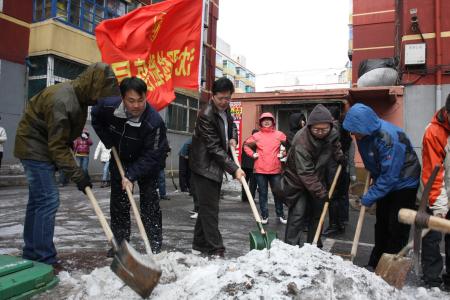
(138, 133)
(214, 133)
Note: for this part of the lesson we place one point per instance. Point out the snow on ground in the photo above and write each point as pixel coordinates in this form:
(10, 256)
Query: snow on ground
(284, 272)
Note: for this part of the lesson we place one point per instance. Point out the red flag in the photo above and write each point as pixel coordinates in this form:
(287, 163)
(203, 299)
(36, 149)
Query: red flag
(159, 43)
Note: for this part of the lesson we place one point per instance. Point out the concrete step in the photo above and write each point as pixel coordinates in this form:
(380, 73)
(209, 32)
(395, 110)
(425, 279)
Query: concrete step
(16, 169)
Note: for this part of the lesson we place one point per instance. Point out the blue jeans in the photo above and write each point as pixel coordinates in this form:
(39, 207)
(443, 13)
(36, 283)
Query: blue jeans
(43, 202)
(105, 176)
(263, 180)
(162, 183)
(83, 162)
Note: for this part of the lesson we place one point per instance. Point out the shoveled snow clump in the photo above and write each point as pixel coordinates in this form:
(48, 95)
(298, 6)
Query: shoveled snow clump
(283, 272)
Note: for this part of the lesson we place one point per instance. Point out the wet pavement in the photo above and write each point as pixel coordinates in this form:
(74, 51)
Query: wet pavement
(82, 245)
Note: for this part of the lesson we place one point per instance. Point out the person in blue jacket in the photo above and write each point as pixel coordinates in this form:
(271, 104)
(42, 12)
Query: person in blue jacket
(395, 169)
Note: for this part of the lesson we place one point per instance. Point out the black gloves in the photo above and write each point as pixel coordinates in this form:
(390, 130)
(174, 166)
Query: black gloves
(83, 183)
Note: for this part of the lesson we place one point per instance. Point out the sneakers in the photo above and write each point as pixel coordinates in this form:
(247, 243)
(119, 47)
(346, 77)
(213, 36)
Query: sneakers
(283, 220)
(194, 216)
(265, 221)
(164, 198)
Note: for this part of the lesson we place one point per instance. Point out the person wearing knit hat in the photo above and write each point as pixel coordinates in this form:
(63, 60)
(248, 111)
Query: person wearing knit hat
(303, 185)
(435, 151)
(388, 155)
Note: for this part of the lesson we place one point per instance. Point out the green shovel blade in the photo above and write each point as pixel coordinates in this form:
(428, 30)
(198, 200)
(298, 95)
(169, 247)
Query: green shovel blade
(259, 241)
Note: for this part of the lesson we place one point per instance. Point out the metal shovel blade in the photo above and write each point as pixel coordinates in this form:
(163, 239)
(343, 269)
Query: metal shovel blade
(140, 273)
(394, 268)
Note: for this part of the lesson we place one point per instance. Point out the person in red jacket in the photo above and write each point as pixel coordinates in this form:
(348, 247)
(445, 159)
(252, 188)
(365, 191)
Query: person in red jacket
(435, 151)
(264, 147)
(81, 147)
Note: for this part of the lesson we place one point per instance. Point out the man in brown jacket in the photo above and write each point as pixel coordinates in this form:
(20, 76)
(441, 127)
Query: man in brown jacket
(303, 183)
(53, 119)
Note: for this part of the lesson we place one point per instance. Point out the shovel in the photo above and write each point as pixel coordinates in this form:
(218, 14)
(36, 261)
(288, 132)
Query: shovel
(325, 206)
(259, 239)
(394, 268)
(359, 225)
(139, 273)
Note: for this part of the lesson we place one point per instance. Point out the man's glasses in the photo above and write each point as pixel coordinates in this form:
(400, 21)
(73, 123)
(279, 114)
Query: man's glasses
(320, 130)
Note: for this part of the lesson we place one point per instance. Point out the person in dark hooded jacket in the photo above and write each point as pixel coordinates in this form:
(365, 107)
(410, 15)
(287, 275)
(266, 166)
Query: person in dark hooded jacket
(52, 120)
(395, 169)
(247, 164)
(303, 183)
(138, 133)
(296, 122)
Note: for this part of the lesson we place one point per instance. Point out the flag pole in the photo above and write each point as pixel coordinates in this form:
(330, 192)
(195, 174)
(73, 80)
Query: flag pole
(201, 50)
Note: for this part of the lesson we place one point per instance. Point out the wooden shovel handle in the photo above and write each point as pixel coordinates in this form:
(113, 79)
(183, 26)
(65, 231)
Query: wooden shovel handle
(247, 192)
(99, 213)
(325, 207)
(136, 212)
(408, 216)
(359, 225)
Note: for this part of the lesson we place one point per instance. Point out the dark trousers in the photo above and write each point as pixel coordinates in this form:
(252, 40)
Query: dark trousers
(251, 181)
(391, 235)
(432, 263)
(207, 237)
(184, 174)
(194, 193)
(338, 210)
(149, 209)
(263, 181)
(305, 208)
(1, 157)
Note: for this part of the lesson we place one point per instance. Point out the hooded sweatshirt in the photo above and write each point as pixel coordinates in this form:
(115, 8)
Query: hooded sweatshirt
(56, 116)
(436, 148)
(386, 152)
(266, 142)
(309, 158)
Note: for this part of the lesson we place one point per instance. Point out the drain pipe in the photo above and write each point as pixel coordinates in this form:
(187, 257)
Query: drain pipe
(437, 13)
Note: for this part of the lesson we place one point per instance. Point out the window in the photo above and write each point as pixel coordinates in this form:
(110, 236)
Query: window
(47, 70)
(251, 77)
(219, 59)
(240, 71)
(182, 113)
(218, 73)
(82, 14)
(239, 85)
(249, 89)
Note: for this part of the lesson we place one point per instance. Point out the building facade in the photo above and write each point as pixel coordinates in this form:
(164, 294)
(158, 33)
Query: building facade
(233, 68)
(15, 20)
(56, 43)
(417, 34)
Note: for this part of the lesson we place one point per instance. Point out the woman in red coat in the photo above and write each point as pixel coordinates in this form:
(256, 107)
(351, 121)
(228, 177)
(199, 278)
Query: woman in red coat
(264, 147)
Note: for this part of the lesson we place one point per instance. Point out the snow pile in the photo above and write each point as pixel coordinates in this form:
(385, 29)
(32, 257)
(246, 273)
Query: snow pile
(285, 272)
